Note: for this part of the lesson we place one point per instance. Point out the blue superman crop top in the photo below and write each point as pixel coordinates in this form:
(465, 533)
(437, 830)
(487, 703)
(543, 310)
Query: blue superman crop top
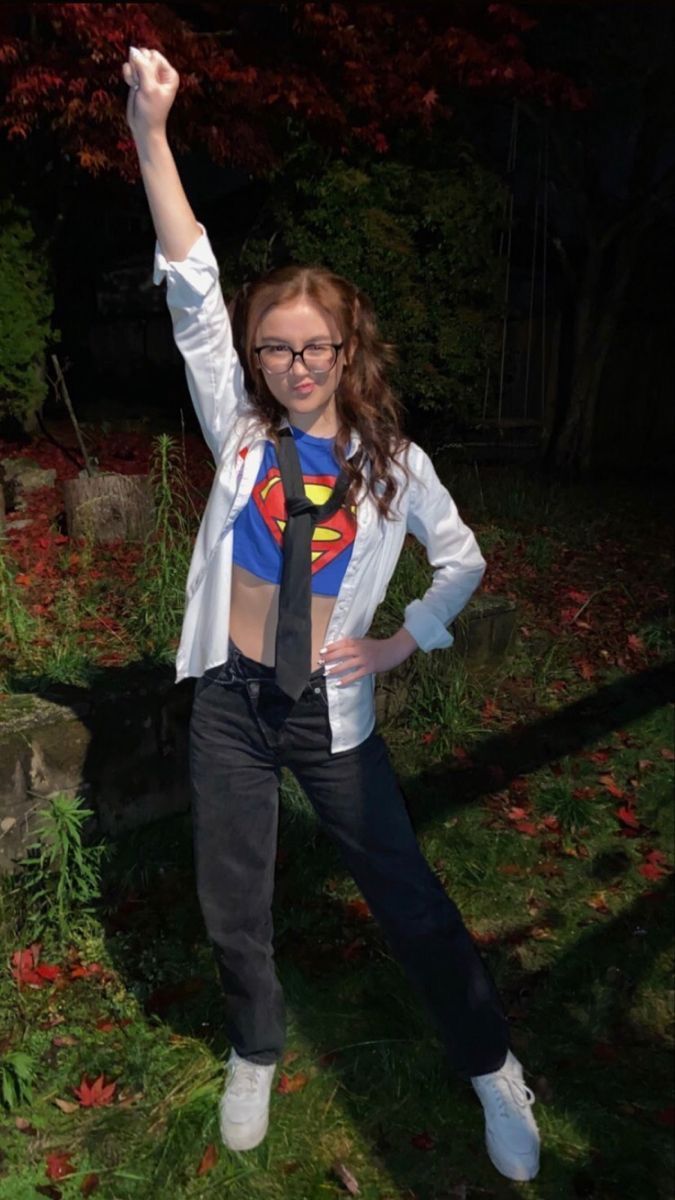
(258, 530)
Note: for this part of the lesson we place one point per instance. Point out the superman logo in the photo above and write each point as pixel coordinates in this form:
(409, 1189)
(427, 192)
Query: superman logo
(329, 539)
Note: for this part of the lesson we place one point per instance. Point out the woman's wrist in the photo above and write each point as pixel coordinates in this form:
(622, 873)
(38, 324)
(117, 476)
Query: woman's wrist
(152, 144)
(404, 643)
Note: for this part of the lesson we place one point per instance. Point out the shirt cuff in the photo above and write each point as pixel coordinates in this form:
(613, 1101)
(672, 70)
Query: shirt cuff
(425, 627)
(189, 280)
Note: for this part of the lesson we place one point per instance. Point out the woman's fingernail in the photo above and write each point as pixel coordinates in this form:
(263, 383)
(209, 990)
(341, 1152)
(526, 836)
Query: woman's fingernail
(133, 51)
(323, 650)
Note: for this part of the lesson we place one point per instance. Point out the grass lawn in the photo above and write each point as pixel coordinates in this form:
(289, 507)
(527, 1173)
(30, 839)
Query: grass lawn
(541, 793)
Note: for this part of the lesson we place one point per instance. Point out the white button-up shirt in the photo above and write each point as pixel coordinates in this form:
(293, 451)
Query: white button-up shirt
(236, 438)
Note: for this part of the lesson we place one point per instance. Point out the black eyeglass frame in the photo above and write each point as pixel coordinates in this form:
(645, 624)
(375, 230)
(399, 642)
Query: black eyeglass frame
(336, 347)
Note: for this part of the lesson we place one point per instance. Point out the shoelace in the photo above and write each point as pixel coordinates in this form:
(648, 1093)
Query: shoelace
(521, 1094)
(245, 1077)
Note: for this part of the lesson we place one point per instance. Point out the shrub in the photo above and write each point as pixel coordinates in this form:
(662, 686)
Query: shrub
(26, 305)
(421, 241)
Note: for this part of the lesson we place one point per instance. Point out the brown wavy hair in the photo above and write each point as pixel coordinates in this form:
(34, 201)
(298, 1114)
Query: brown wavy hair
(364, 400)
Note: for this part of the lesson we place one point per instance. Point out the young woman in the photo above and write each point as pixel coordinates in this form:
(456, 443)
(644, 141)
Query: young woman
(314, 491)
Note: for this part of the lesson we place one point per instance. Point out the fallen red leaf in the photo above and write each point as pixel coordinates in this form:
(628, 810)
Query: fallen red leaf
(89, 1183)
(358, 908)
(96, 1094)
(655, 856)
(577, 596)
(527, 827)
(585, 669)
(551, 822)
(462, 755)
(666, 1117)
(597, 756)
(490, 710)
(104, 1025)
(28, 971)
(627, 817)
(80, 971)
(483, 938)
(610, 785)
(59, 1166)
(429, 737)
(291, 1083)
(517, 814)
(209, 1159)
(650, 870)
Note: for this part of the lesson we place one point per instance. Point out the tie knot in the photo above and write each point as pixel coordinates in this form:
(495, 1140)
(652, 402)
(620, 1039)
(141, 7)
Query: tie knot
(297, 506)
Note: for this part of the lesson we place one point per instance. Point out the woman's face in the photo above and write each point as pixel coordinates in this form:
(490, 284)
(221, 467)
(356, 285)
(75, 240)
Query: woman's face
(306, 391)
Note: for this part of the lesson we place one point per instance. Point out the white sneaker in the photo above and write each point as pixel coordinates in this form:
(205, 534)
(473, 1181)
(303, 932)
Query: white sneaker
(244, 1105)
(511, 1133)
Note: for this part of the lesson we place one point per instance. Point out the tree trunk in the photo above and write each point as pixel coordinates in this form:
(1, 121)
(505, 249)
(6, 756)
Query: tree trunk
(108, 507)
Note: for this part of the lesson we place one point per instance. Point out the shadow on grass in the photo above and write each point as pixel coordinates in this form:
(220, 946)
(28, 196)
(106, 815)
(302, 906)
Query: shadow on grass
(563, 1011)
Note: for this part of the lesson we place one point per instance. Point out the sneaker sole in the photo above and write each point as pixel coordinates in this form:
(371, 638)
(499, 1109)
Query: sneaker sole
(521, 1173)
(246, 1137)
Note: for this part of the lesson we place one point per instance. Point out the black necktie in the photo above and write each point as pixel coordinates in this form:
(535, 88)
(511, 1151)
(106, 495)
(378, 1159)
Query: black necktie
(294, 629)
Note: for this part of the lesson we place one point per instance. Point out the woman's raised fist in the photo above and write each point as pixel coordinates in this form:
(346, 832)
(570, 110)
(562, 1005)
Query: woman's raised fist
(153, 84)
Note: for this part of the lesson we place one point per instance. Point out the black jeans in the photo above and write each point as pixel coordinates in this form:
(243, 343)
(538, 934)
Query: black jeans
(242, 731)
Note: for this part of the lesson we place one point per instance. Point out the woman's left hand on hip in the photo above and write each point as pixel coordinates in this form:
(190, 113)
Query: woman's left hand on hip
(350, 659)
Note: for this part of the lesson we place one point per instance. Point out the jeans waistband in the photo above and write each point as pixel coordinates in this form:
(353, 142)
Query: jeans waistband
(256, 670)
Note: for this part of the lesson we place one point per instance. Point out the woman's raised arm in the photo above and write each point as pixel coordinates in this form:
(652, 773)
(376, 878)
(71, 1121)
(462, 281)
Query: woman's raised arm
(153, 84)
(184, 256)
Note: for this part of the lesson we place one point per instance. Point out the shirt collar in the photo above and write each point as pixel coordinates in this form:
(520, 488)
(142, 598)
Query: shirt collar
(354, 441)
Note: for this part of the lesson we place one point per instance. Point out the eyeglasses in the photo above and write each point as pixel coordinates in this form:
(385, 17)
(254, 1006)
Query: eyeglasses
(316, 358)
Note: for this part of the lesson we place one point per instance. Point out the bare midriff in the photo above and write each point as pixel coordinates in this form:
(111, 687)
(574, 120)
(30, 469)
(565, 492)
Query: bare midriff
(254, 611)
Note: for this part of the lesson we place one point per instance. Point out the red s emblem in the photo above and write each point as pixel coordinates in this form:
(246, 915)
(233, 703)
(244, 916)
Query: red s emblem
(328, 540)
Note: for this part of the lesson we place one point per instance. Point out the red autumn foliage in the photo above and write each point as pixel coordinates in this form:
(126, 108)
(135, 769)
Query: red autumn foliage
(358, 908)
(59, 1166)
(349, 68)
(28, 971)
(610, 785)
(208, 1160)
(291, 1083)
(655, 865)
(96, 1094)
